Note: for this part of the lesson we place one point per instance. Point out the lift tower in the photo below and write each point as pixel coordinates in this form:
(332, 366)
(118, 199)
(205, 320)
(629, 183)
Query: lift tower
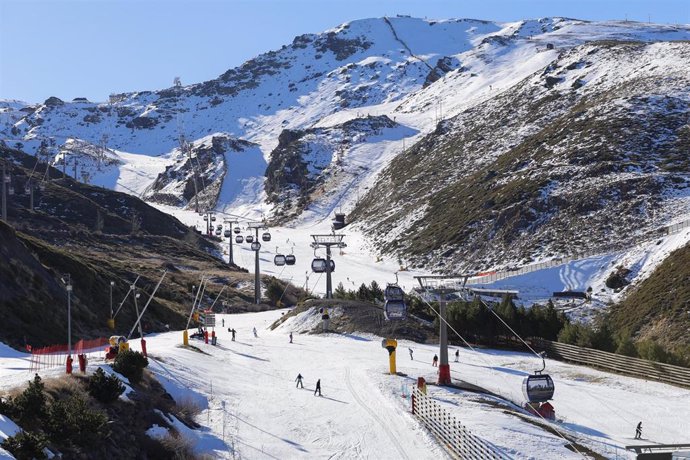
(328, 241)
(437, 288)
(256, 246)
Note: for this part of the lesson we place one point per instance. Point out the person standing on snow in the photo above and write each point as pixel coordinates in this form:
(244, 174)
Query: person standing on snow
(299, 381)
(318, 387)
(233, 334)
(638, 431)
(457, 356)
(435, 361)
(411, 358)
(222, 322)
(290, 337)
(255, 332)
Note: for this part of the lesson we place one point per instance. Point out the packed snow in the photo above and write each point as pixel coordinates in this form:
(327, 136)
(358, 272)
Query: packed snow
(252, 408)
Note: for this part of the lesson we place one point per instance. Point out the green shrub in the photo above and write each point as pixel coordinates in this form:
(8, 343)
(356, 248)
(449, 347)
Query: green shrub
(26, 445)
(648, 349)
(30, 405)
(105, 388)
(71, 421)
(274, 291)
(131, 364)
(625, 346)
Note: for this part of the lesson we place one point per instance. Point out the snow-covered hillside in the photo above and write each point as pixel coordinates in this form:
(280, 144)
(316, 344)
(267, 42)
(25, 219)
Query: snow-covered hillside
(251, 408)
(350, 100)
(417, 72)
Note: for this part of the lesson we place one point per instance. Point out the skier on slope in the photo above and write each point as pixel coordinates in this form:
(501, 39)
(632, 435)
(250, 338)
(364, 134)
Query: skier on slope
(290, 337)
(435, 361)
(255, 332)
(299, 381)
(318, 387)
(638, 431)
(457, 356)
(411, 358)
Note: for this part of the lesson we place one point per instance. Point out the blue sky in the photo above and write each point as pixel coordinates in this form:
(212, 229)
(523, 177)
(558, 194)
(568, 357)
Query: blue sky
(91, 48)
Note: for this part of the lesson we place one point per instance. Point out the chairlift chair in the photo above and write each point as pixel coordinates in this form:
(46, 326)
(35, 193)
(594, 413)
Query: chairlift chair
(249, 239)
(239, 239)
(538, 387)
(266, 236)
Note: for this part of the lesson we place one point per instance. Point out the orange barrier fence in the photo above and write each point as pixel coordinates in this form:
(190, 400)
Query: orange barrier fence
(56, 355)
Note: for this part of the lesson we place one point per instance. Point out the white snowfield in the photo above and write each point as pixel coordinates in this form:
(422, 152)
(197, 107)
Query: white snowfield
(362, 414)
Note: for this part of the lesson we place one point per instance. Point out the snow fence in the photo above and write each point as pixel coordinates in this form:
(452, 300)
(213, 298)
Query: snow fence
(455, 438)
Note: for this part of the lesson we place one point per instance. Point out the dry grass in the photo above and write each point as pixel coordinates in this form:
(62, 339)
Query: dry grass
(181, 447)
(186, 409)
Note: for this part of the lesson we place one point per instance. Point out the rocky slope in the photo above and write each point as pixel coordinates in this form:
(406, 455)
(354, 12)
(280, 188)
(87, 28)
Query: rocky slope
(97, 236)
(576, 157)
(513, 132)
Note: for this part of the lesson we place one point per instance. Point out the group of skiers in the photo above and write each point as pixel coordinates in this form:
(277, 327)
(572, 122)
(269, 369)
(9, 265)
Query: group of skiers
(434, 361)
(300, 385)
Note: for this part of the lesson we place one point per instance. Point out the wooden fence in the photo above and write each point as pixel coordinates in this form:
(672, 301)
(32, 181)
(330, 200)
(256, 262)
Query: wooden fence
(455, 438)
(650, 370)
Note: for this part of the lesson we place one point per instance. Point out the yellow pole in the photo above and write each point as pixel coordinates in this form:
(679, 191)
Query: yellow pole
(185, 338)
(390, 345)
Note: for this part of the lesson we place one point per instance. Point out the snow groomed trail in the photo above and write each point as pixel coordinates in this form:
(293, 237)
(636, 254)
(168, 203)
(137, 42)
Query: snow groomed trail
(251, 408)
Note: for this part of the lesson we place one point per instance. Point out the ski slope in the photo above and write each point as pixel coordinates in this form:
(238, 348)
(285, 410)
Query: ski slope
(362, 414)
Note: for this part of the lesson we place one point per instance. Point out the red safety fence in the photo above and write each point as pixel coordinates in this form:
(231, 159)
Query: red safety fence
(56, 355)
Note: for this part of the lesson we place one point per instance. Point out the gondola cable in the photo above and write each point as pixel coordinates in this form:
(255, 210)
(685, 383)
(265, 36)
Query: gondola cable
(505, 381)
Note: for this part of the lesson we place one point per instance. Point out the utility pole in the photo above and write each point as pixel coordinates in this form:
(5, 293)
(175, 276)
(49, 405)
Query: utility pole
(31, 194)
(67, 281)
(4, 191)
(327, 241)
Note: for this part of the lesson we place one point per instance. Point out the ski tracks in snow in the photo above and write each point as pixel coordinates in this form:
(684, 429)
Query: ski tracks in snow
(358, 398)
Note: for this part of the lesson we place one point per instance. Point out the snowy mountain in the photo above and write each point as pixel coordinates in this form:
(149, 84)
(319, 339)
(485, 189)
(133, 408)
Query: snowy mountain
(586, 120)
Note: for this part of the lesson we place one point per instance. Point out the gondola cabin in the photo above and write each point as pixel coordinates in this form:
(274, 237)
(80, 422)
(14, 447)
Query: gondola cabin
(239, 239)
(279, 260)
(538, 388)
(394, 308)
(236, 230)
(249, 239)
(266, 236)
(256, 246)
(290, 259)
(318, 265)
(227, 233)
